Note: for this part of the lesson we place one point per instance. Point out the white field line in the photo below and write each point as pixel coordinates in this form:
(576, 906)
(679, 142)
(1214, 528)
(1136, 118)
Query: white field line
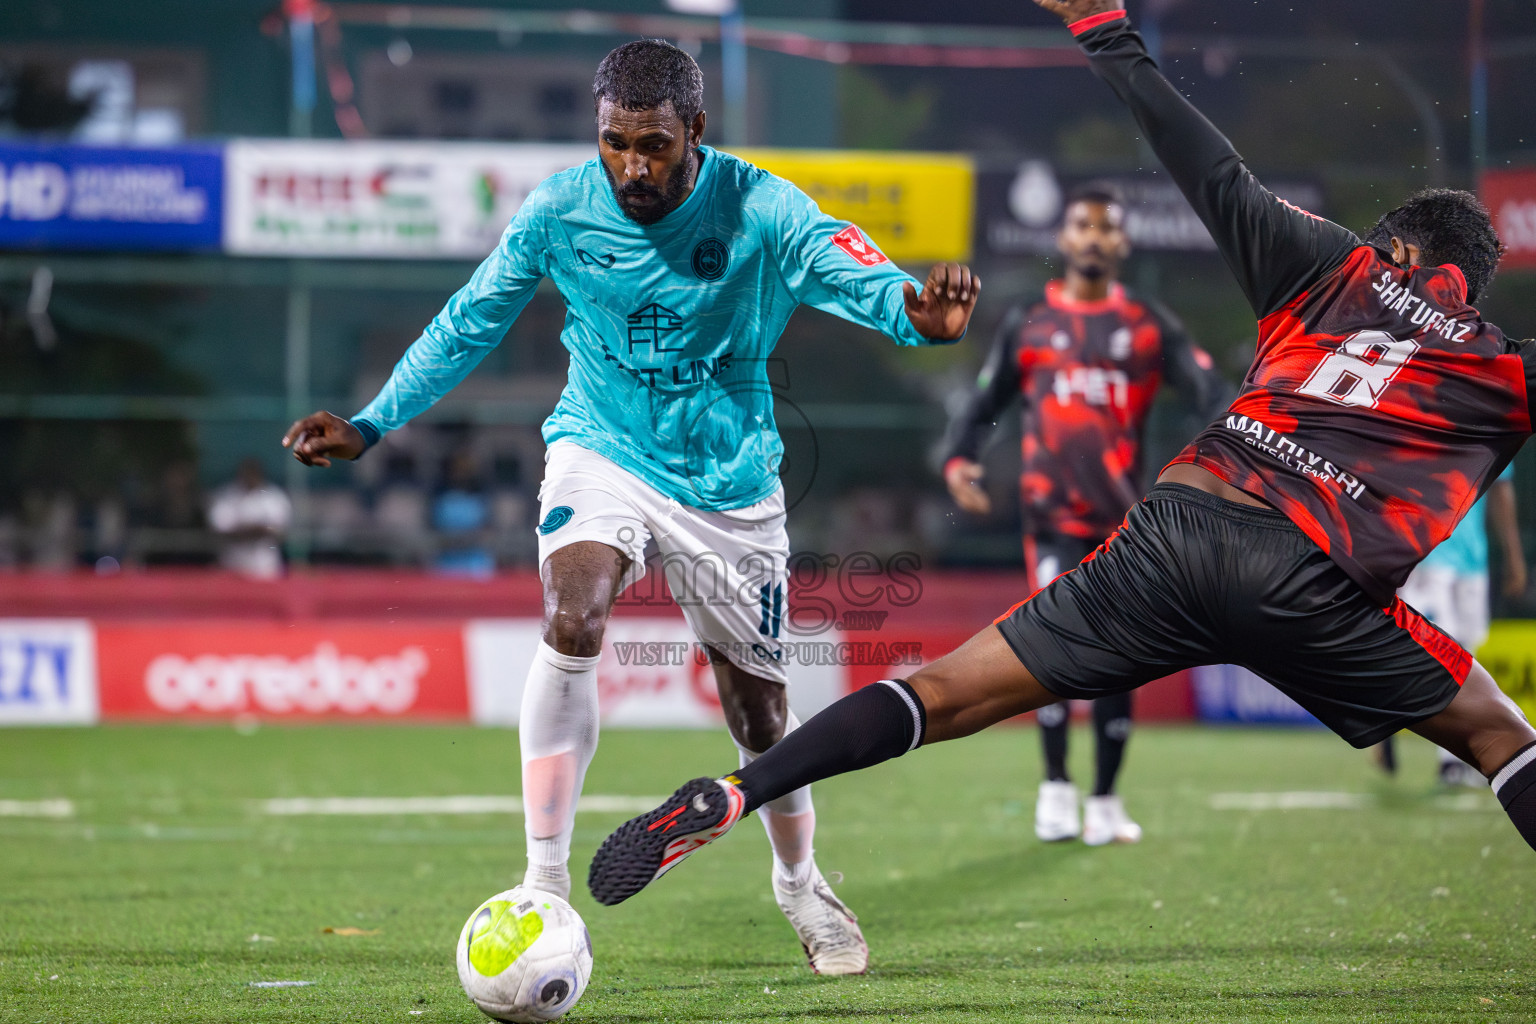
(1471, 800)
(280, 984)
(1293, 801)
(337, 805)
(59, 808)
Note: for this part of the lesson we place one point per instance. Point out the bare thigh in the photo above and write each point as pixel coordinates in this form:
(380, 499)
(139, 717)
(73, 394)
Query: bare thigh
(978, 684)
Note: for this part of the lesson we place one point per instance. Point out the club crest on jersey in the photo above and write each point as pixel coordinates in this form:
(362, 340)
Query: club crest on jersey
(558, 517)
(853, 242)
(710, 259)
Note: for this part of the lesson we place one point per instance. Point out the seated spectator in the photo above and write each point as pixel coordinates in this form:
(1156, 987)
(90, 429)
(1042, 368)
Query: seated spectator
(460, 515)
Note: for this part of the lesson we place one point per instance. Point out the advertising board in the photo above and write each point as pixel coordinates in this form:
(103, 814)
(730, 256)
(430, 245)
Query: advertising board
(423, 200)
(47, 672)
(60, 197)
(226, 669)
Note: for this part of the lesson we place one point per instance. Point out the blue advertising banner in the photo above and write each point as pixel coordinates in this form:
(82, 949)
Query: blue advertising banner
(60, 197)
(1229, 693)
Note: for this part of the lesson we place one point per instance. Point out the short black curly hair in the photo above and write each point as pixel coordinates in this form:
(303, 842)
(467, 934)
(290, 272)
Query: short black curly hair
(1100, 190)
(647, 73)
(1448, 226)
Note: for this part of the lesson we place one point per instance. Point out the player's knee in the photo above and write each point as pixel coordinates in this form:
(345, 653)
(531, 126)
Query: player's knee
(576, 629)
(755, 728)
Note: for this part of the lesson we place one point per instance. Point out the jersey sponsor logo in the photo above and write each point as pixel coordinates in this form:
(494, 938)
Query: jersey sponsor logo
(1093, 384)
(651, 324)
(710, 259)
(604, 261)
(558, 517)
(1309, 463)
(852, 242)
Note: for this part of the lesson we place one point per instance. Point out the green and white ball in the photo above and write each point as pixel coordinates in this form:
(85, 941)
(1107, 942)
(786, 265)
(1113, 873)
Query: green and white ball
(524, 955)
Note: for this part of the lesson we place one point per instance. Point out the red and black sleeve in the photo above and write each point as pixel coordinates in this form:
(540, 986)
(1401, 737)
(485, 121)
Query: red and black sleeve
(1275, 250)
(997, 385)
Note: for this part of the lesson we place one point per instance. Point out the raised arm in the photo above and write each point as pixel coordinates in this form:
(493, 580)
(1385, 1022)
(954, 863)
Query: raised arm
(1274, 249)
(830, 264)
(472, 323)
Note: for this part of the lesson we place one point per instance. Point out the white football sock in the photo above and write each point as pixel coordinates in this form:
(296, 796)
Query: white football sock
(557, 735)
(790, 822)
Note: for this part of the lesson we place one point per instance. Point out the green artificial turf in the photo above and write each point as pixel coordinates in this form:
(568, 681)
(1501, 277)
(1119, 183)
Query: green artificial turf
(169, 891)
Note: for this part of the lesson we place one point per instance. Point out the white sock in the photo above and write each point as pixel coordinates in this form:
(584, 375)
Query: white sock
(790, 822)
(557, 735)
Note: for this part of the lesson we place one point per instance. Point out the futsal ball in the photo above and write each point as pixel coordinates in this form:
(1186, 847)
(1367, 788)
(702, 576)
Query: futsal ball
(524, 955)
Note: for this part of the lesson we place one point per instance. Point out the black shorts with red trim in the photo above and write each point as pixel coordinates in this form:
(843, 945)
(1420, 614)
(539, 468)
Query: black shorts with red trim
(1192, 579)
(1048, 555)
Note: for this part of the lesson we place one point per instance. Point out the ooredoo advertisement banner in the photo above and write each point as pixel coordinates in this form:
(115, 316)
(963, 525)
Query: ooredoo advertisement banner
(214, 669)
(298, 197)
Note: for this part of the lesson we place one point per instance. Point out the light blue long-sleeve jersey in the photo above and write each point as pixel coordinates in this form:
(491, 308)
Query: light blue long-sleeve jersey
(669, 326)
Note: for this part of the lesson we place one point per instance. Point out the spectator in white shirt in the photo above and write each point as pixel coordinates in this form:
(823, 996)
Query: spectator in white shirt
(251, 515)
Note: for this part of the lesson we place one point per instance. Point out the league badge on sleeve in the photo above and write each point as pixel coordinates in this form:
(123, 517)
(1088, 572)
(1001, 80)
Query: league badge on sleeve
(853, 242)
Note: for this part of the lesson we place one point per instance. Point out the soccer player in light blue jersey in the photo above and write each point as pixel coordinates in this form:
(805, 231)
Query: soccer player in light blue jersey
(680, 266)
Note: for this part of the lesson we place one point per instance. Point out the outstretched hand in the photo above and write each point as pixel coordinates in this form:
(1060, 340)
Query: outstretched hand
(943, 308)
(322, 436)
(1071, 11)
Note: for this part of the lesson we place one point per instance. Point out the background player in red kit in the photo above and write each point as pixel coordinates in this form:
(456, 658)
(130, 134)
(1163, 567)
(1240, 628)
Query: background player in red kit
(1085, 361)
(1378, 407)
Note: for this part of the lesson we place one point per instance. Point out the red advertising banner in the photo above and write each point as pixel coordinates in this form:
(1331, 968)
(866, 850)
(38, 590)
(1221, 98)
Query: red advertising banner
(200, 668)
(1511, 197)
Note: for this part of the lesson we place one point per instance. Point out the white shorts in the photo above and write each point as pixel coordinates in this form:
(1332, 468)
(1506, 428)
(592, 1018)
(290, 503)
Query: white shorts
(1457, 602)
(727, 571)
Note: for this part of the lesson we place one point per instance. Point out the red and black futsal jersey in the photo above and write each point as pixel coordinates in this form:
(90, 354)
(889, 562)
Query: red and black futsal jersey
(1086, 374)
(1379, 406)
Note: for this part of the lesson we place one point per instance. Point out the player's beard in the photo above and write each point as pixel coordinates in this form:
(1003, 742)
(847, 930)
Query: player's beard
(1095, 266)
(668, 198)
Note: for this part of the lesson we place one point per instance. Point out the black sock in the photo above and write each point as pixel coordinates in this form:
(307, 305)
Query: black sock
(1515, 786)
(866, 727)
(1053, 720)
(1111, 730)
